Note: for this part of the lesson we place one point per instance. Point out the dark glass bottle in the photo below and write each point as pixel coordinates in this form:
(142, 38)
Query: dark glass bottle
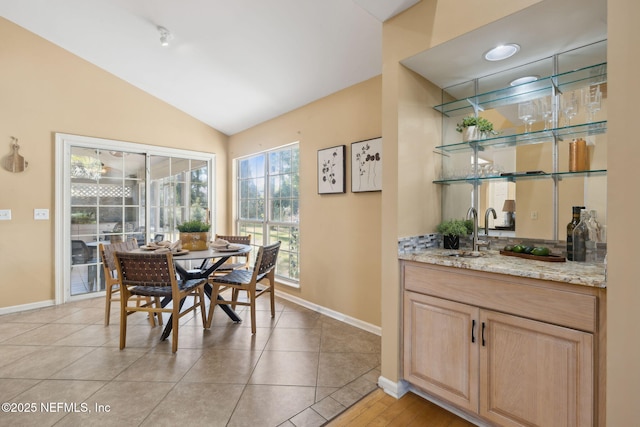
(574, 221)
(581, 237)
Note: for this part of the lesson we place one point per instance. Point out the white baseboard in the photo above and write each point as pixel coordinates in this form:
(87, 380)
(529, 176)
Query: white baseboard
(25, 307)
(392, 388)
(333, 314)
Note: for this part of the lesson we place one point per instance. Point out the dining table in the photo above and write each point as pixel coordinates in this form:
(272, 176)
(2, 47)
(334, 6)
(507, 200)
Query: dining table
(210, 260)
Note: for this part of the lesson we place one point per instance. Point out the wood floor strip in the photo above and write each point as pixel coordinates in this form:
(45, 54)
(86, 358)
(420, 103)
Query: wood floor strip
(378, 409)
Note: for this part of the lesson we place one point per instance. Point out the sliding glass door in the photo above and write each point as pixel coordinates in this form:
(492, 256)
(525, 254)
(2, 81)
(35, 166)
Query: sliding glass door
(107, 204)
(112, 191)
(179, 191)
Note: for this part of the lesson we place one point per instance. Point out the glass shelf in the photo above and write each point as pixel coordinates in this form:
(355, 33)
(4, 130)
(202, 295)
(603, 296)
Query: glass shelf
(537, 137)
(596, 74)
(559, 175)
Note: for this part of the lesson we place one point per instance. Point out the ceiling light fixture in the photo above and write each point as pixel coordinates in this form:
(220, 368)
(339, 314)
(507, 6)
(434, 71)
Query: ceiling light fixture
(165, 36)
(501, 52)
(523, 80)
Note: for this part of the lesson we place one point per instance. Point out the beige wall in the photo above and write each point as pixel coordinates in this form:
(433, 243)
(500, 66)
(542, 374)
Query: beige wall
(340, 233)
(623, 283)
(45, 89)
(424, 25)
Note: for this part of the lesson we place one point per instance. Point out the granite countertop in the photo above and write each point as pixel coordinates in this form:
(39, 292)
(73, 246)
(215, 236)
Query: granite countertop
(577, 273)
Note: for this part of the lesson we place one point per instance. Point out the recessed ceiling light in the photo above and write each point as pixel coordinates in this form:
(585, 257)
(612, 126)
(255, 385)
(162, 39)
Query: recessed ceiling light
(501, 52)
(523, 80)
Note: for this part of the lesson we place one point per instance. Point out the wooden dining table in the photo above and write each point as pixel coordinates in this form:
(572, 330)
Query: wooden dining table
(210, 260)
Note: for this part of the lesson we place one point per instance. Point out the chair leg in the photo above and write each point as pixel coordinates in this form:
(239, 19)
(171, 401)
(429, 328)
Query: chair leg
(157, 313)
(123, 319)
(252, 300)
(152, 316)
(215, 289)
(272, 296)
(203, 312)
(174, 325)
(234, 298)
(107, 306)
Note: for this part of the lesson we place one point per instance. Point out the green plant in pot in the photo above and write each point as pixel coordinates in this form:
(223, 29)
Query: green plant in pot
(473, 127)
(451, 231)
(194, 235)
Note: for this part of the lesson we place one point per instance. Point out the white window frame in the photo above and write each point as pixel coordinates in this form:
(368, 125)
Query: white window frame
(267, 223)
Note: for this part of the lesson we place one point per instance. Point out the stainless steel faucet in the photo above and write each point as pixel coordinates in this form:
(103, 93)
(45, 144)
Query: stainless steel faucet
(486, 224)
(472, 213)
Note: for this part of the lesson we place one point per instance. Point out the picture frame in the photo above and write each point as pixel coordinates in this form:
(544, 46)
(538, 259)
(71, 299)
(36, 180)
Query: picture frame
(331, 170)
(366, 165)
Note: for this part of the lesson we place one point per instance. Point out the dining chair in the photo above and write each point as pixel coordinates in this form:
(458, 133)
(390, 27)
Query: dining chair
(238, 261)
(154, 275)
(250, 281)
(112, 284)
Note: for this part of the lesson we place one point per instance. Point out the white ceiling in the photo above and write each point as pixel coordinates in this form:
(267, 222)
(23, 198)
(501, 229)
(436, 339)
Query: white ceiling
(232, 63)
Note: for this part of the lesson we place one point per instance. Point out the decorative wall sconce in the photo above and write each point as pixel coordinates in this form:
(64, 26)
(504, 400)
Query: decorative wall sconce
(14, 162)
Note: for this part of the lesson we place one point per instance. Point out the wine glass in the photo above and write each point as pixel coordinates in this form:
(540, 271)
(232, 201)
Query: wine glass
(526, 113)
(592, 100)
(570, 106)
(546, 111)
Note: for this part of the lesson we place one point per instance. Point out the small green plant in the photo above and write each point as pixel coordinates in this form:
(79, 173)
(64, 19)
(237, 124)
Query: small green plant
(454, 227)
(484, 125)
(193, 226)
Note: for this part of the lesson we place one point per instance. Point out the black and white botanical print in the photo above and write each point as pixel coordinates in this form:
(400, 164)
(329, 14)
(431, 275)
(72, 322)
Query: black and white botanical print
(366, 165)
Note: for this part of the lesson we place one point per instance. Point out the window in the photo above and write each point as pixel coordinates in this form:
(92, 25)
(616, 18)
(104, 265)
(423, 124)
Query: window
(268, 206)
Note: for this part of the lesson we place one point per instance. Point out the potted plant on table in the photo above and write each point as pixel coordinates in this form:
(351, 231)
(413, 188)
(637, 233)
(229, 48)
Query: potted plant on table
(194, 235)
(451, 231)
(473, 127)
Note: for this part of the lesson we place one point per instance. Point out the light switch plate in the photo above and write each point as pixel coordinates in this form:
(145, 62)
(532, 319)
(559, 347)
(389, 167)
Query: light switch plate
(40, 214)
(5, 214)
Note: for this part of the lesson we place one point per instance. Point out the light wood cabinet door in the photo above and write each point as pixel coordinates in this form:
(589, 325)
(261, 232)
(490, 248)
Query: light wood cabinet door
(441, 348)
(534, 373)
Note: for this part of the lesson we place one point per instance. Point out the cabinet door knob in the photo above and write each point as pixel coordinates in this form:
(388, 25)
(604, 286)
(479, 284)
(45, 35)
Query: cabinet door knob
(473, 330)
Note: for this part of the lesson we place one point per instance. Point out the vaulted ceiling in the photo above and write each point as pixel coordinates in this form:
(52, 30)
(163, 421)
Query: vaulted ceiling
(230, 64)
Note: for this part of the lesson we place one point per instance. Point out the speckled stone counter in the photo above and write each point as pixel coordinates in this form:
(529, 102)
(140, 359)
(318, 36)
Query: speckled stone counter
(577, 273)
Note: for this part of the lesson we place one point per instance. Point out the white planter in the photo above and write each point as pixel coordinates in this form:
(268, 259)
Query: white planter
(470, 133)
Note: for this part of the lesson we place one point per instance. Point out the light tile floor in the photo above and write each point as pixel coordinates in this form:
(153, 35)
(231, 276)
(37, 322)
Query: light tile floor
(61, 366)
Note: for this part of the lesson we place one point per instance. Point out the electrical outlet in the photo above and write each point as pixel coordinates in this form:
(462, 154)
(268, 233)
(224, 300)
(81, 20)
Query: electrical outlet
(41, 214)
(5, 214)
(534, 214)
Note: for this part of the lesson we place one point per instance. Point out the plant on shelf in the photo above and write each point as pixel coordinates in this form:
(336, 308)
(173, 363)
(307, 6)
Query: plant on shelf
(473, 127)
(194, 235)
(451, 231)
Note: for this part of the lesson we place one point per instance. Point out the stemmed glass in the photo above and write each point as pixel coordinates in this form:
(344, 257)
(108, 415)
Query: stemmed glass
(592, 100)
(527, 113)
(570, 106)
(546, 111)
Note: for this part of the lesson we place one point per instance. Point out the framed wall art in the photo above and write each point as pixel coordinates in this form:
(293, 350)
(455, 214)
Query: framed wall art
(331, 167)
(366, 165)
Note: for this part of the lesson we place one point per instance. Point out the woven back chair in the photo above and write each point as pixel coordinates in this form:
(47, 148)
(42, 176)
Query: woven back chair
(250, 281)
(112, 284)
(238, 261)
(154, 275)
